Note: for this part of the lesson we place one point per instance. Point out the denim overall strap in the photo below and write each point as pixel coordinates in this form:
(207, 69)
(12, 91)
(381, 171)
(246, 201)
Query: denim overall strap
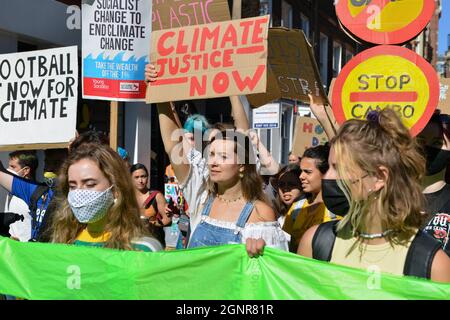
(245, 214)
(208, 206)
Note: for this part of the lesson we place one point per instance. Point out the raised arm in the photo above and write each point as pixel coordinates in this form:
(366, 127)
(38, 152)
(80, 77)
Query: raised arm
(172, 137)
(238, 113)
(326, 119)
(269, 166)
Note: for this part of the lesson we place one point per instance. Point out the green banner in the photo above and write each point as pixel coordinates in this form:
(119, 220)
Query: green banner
(56, 271)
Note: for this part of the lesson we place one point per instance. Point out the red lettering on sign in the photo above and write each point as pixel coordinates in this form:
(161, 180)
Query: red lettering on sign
(181, 48)
(196, 87)
(246, 31)
(162, 50)
(227, 60)
(248, 82)
(308, 127)
(210, 35)
(256, 38)
(229, 36)
(221, 82)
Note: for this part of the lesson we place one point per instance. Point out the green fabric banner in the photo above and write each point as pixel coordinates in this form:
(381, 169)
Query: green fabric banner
(55, 271)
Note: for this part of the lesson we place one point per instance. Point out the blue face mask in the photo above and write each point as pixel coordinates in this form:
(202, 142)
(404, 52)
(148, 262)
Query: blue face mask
(90, 206)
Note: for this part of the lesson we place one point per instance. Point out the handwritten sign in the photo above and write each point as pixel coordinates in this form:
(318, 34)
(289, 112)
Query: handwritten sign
(38, 96)
(116, 35)
(308, 133)
(210, 60)
(385, 21)
(170, 14)
(293, 72)
(387, 77)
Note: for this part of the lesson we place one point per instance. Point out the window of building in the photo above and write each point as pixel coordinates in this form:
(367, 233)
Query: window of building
(286, 14)
(337, 58)
(323, 62)
(348, 56)
(265, 7)
(304, 22)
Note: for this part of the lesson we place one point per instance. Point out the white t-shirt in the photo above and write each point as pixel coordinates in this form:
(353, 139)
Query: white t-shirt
(195, 192)
(19, 229)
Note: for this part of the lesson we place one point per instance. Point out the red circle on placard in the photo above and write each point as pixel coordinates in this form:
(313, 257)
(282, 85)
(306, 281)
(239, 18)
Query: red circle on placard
(386, 50)
(394, 37)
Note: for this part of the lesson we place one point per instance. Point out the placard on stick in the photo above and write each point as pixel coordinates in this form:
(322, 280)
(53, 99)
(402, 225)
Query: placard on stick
(38, 94)
(387, 77)
(116, 35)
(170, 14)
(385, 21)
(293, 71)
(211, 60)
(308, 133)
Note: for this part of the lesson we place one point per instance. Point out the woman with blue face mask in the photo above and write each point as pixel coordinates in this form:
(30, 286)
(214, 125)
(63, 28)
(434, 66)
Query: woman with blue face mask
(99, 207)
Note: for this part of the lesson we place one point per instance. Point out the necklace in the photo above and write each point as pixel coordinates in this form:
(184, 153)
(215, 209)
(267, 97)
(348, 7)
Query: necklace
(371, 236)
(221, 198)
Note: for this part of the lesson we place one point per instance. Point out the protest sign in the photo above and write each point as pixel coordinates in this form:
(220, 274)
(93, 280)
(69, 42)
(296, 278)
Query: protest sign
(116, 37)
(267, 117)
(444, 97)
(172, 191)
(308, 133)
(211, 60)
(38, 94)
(384, 21)
(293, 72)
(170, 14)
(387, 77)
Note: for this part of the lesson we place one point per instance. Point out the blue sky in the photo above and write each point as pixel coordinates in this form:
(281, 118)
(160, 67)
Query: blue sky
(444, 26)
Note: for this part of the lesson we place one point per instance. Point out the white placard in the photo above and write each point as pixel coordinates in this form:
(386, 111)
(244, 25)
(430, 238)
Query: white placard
(38, 96)
(116, 47)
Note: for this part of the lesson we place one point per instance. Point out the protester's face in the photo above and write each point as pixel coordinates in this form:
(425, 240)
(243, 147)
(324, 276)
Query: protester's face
(85, 174)
(140, 179)
(311, 177)
(361, 184)
(293, 159)
(433, 136)
(14, 165)
(288, 196)
(222, 161)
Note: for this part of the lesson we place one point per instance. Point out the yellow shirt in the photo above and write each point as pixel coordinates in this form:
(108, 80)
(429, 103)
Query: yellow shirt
(302, 216)
(373, 258)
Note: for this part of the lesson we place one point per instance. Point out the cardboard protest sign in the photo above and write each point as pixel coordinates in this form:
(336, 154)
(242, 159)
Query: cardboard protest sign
(116, 37)
(308, 133)
(267, 117)
(384, 21)
(387, 77)
(211, 60)
(444, 97)
(170, 14)
(38, 97)
(293, 72)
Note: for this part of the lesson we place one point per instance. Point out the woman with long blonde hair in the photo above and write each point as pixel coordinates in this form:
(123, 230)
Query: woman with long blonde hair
(376, 168)
(98, 205)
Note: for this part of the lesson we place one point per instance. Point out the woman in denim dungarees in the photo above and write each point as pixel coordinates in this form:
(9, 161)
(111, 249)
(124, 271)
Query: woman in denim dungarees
(224, 191)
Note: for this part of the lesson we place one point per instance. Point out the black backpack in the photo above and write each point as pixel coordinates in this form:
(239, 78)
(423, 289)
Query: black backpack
(43, 234)
(418, 259)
